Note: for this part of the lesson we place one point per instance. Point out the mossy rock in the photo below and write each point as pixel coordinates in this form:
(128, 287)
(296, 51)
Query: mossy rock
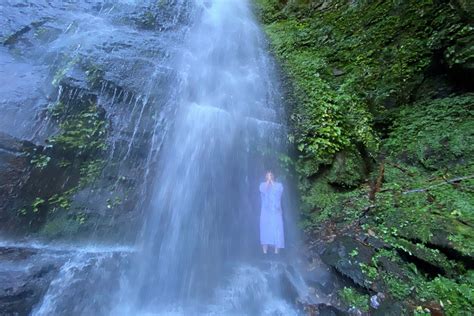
(345, 254)
(347, 170)
(431, 257)
(61, 225)
(435, 134)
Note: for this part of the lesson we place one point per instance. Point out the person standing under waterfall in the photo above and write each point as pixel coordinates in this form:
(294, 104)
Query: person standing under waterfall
(271, 217)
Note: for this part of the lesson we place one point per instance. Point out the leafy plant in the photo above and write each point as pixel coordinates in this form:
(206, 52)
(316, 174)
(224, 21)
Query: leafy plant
(60, 200)
(40, 161)
(361, 78)
(90, 170)
(354, 299)
(82, 133)
(37, 203)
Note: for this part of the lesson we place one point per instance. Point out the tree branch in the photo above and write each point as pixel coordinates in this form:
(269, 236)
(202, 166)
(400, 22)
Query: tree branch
(446, 181)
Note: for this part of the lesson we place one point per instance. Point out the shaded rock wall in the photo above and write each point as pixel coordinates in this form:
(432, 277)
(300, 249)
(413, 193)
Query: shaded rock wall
(88, 89)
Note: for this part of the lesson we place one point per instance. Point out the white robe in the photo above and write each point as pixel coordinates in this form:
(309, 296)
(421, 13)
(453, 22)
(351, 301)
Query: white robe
(271, 217)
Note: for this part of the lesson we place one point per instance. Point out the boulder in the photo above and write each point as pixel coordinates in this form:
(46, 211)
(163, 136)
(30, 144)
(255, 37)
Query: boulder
(54, 52)
(347, 169)
(345, 254)
(22, 284)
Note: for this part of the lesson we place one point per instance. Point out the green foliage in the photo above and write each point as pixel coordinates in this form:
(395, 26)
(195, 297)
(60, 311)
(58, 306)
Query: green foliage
(81, 218)
(360, 72)
(397, 288)
(341, 83)
(58, 110)
(347, 169)
(82, 133)
(90, 170)
(116, 201)
(286, 163)
(354, 299)
(63, 163)
(63, 225)
(370, 272)
(37, 203)
(94, 75)
(328, 119)
(420, 311)
(75, 150)
(63, 70)
(40, 161)
(62, 200)
(423, 122)
(322, 203)
(354, 253)
(456, 297)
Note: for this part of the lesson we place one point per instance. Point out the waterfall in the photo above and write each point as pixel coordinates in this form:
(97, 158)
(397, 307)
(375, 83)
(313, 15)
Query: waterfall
(202, 219)
(195, 118)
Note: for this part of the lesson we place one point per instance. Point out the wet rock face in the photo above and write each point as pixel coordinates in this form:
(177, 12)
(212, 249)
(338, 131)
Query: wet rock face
(22, 284)
(14, 172)
(345, 255)
(66, 62)
(35, 276)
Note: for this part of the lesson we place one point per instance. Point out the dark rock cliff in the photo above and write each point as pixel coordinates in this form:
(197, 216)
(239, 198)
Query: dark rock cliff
(83, 112)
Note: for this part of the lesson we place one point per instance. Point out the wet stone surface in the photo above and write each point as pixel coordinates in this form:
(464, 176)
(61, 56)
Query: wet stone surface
(113, 54)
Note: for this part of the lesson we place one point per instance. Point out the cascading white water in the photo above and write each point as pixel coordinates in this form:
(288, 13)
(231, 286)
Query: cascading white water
(203, 216)
(214, 112)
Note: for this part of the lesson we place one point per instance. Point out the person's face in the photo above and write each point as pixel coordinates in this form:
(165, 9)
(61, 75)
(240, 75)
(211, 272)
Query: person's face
(269, 176)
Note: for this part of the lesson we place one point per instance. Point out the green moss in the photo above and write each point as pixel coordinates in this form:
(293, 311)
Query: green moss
(347, 169)
(40, 161)
(94, 75)
(62, 225)
(90, 170)
(82, 133)
(63, 70)
(75, 152)
(397, 288)
(354, 299)
(455, 296)
(37, 204)
(435, 134)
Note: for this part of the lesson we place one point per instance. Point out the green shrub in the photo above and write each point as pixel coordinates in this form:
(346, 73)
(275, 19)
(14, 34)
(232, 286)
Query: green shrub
(354, 299)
